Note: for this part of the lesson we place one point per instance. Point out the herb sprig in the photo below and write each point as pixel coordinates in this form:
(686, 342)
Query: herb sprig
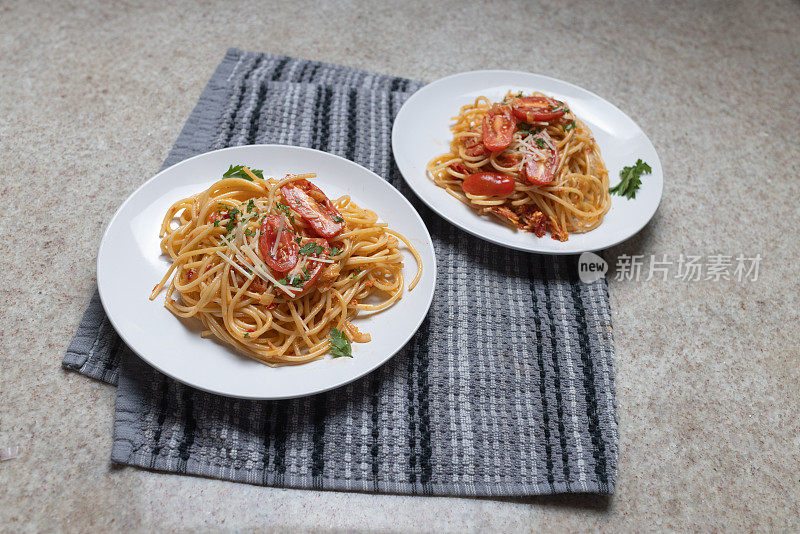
(631, 179)
(340, 345)
(237, 171)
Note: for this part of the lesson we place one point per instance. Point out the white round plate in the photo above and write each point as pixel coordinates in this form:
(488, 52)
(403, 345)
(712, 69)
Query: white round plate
(422, 131)
(130, 263)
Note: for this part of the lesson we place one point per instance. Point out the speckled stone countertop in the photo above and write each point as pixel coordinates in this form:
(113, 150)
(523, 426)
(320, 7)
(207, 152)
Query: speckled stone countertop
(708, 372)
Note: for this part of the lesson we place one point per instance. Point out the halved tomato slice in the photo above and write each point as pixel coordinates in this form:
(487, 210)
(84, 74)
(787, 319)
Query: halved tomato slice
(538, 108)
(491, 184)
(305, 274)
(498, 128)
(314, 207)
(283, 256)
(540, 171)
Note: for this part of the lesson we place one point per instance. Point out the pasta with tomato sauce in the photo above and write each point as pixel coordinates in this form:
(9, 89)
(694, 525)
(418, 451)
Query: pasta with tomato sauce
(276, 269)
(528, 161)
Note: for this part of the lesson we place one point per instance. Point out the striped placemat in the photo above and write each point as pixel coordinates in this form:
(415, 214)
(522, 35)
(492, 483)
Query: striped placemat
(506, 389)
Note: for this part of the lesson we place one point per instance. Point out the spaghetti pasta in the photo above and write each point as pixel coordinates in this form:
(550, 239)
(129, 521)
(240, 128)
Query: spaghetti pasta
(528, 161)
(275, 269)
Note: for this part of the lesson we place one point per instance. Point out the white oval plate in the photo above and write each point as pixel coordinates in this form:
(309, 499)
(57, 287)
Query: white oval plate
(422, 131)
(130, 263)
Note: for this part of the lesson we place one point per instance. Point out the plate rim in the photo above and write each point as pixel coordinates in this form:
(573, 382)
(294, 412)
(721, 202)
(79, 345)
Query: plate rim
(395, 140)
(148, 361)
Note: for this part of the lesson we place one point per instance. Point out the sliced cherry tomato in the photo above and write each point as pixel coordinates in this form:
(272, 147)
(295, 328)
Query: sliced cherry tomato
(540, 172)
(314, 207)
(305, 274)
(537, 109)
(285, 257)
(498, 128)
(492, 184)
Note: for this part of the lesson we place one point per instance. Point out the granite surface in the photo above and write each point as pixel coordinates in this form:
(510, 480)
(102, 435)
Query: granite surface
(708, 372)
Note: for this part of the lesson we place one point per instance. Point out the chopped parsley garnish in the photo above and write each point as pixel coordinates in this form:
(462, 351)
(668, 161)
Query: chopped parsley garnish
(237, 171)
(230, 225)
(340, 345)
(285, 209)
(246, 334)
(294, 280)
(311, 248)
(505, 98)
(526, 129)
(250, 232)
(540, 143)
(631, 179)
(355, 273)
(298, 239)
(335, 251)
(336, 218)
(250, 205)
(216, 222)
(570, 126)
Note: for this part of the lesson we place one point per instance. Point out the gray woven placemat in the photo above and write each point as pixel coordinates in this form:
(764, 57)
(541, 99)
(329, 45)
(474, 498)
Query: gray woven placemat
(506, 389)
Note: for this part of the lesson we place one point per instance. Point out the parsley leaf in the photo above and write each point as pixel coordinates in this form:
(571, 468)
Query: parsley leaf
(540, 142)
(340, 345)
(237, 171)
(631, 179)
(251, 205)
(335, 251)
(355, 273)
(570, 126)
(337, 219)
